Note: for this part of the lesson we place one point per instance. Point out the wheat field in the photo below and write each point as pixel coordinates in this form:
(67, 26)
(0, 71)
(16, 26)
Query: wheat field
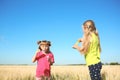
(109, 72)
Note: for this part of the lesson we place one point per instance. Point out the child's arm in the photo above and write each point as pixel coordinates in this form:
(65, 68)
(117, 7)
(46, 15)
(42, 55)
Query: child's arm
(79, 48)
(51, 60)
(83, 48)
(77, 42)
(34, 57)
(51, 63)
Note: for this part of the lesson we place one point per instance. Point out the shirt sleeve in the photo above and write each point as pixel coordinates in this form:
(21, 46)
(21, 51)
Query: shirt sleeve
(37, 56)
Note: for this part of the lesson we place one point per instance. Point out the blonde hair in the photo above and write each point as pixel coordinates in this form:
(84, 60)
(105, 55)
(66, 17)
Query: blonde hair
(91, 28)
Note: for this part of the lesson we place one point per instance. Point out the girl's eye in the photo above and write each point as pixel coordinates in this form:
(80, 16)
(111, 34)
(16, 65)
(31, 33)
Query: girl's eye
(85, 27)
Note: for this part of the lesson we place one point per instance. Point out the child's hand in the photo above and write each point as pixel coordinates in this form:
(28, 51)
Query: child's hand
(74, 46)
(49, 60)
(80, 40)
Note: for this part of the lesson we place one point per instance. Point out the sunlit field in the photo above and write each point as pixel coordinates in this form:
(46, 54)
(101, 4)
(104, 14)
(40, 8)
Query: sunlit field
(109, 72)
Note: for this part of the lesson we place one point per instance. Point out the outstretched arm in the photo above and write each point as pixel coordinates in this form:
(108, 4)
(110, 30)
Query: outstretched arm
(79, 48)
(77, 42)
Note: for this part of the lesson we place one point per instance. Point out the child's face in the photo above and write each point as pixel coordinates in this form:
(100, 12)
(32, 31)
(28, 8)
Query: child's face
(86, 26)
(44, 47)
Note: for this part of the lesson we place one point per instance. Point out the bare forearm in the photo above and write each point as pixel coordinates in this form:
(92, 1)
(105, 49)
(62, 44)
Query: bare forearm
(79, 48)
(34, 57)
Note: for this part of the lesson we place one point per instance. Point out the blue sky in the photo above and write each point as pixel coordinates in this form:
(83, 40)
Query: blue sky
(24, 22)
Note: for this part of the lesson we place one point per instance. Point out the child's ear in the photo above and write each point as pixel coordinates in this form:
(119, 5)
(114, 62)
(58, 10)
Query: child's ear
(38, 42)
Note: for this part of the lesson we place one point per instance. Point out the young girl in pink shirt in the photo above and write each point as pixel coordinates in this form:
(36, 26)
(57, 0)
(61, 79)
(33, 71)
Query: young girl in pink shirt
(45, 59)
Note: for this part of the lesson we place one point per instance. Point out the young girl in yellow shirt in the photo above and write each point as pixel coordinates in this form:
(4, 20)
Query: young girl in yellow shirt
(91, 49)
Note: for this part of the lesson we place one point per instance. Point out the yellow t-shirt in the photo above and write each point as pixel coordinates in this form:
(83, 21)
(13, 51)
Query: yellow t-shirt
(92, 56)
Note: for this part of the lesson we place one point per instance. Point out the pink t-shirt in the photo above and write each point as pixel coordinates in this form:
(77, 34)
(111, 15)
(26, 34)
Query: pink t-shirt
(43, 65)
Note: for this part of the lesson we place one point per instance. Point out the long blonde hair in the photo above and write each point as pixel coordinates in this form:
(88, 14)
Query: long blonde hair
(91, 28)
